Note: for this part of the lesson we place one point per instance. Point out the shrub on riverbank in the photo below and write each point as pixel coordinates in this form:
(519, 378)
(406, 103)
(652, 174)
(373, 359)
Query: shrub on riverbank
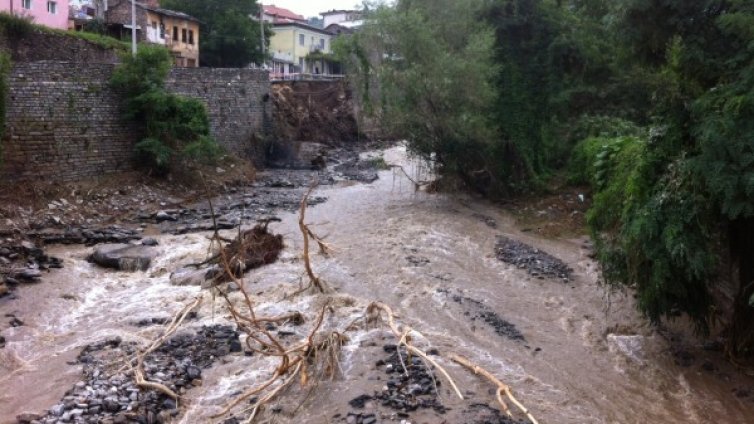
(176, 128)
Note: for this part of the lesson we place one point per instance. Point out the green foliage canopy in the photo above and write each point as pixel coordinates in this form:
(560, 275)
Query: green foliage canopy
(229, 37)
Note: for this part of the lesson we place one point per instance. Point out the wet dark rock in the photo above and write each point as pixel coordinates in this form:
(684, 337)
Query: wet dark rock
(356, 169)
(149, 242)
(417, 260)
(84, 235)
(107, 396)
(124, 257)
(536, 262)
(360, 401)
(147, 322)
(162, 216)
(479, 413)
(15, 322)
(411, 385)
(27, 418)
(2, 342)
(22, 263)
(478, 310)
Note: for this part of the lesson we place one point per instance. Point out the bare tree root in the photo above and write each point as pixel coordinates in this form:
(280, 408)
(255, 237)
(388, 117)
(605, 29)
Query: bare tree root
(373, 312)
(306, 233)
(315, 352)
(502, 388)
(176, 322)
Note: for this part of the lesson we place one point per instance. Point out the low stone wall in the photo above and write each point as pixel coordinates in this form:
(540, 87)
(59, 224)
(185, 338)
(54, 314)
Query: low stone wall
(64, 121)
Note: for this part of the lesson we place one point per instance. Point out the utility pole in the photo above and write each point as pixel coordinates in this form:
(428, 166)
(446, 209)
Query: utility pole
(261, 26)
(133, 27)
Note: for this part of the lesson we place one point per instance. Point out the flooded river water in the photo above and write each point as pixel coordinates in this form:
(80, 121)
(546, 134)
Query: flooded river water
(430, 256)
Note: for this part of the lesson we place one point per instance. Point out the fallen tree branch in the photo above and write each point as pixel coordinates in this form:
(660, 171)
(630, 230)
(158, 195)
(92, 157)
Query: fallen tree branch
(305, 232)
(502, 388)
(404, 340)
(139, 376)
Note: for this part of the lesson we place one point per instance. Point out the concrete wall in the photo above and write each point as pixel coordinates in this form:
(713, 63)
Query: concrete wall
(64, 122)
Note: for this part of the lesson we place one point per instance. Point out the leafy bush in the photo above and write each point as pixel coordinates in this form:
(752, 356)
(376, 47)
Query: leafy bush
(653, 234)
(177, 127)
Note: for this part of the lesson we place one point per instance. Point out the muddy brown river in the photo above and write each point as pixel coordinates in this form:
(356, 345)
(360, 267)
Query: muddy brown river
(586, 357)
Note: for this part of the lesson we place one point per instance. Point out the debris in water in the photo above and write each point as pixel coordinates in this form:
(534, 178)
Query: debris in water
(536, 262)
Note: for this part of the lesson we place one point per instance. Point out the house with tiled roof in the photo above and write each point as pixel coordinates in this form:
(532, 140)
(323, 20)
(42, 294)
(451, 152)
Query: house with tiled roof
(275, 15)
(177, 31)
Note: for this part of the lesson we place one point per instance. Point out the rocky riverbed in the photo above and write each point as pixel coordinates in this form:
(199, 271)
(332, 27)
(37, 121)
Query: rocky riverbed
(433, 257)
(107, 394)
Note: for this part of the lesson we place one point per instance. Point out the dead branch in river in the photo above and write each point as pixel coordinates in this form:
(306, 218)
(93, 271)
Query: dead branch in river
(502, 388)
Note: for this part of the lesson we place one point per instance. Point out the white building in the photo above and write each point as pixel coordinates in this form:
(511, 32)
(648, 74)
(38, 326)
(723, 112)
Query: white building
(353, 17)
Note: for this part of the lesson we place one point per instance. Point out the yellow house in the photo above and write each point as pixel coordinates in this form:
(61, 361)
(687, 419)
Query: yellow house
(177, 31)
(299, 48)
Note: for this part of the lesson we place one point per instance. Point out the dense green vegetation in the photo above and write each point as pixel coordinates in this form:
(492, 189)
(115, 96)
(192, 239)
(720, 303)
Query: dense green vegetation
(229, 38)
(176, 128)
(649, 102)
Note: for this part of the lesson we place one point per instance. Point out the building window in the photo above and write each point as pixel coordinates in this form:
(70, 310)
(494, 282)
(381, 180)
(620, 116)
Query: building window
(175, 33)
(301, 39)
(162, 30)
(191, 37)
(184, 37)
(301, 64)
(322, 43)
(26, 4)
(154, 25)
(52, 7)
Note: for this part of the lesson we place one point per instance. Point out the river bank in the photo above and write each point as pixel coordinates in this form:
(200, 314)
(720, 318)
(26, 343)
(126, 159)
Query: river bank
(571, 353)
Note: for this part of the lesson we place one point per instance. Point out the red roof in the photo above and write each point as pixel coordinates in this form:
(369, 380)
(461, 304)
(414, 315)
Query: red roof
(282, 15)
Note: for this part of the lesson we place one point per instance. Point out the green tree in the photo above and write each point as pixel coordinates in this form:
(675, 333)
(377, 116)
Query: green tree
(230, 35)
(432, 61)
(689, 188)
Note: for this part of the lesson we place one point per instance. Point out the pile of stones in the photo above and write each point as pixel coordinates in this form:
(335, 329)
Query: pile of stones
(536, 262)
(108, 394)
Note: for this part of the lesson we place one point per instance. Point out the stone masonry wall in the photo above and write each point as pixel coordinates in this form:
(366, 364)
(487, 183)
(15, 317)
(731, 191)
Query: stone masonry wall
(238, 101)
(64, 122)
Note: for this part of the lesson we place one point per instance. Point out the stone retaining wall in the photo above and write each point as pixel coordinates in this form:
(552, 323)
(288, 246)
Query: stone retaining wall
(63, 120)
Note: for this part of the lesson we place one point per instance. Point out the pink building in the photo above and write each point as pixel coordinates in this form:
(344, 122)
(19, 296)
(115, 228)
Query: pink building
(51, 13)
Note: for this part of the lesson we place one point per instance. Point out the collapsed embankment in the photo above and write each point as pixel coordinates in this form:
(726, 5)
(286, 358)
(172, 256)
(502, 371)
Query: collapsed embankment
(316, 111)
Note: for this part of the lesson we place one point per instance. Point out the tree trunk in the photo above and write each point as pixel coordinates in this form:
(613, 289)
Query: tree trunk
(742, 252)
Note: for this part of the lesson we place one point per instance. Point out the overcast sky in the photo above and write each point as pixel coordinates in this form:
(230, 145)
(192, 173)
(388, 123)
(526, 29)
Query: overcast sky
(311, 8)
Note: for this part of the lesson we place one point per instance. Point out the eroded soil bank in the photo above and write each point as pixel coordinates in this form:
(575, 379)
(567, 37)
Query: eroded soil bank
(541, 323)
